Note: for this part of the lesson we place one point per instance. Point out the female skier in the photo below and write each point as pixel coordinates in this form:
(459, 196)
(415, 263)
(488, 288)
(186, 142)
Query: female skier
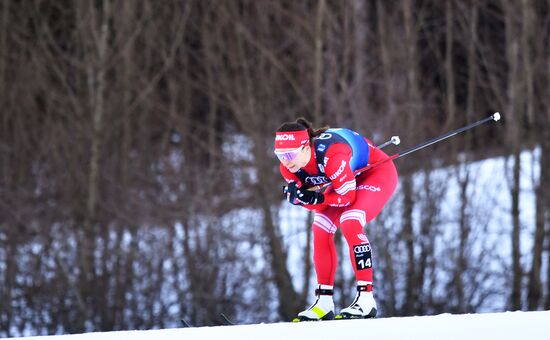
(311, 158)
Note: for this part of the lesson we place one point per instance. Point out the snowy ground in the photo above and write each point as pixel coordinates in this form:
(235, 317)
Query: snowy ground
(501, 326)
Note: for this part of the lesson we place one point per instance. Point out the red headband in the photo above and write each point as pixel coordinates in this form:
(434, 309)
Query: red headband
(291, 139)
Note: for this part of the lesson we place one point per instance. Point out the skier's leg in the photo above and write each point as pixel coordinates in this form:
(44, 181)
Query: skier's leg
(364, 305)
(324, 251)
(359, 246)
(325, 260)
(373, 191)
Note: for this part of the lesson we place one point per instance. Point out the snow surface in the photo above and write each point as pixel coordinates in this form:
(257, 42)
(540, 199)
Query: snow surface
(501, 326)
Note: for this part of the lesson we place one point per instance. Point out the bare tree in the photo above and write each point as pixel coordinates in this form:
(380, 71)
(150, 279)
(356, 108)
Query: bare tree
(531, 52)
(513, 105)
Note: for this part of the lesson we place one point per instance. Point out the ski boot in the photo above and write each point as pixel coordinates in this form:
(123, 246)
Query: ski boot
(362, 307)
(321, 309)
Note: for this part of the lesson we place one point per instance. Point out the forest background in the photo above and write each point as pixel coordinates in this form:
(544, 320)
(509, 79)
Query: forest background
(138, 183)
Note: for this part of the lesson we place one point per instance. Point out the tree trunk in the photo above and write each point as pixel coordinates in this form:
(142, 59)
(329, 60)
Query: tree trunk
(318, 72)
(96, 71)
(464, 235)
(545, 167)
(517, 273)
(472, 62)
(412, 285)
(4, 116)
(514, 140)
(449, 65)
(426, 238)
(383, 38)
(534, 295)
(527, 29)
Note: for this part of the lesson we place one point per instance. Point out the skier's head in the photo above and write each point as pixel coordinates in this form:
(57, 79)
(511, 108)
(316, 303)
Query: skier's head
(292, 143)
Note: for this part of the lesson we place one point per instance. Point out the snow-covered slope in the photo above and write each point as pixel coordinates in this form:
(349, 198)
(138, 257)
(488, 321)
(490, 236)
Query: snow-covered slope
(501, 326)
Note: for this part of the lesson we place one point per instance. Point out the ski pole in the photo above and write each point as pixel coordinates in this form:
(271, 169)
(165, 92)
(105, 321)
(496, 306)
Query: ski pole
(494, 117)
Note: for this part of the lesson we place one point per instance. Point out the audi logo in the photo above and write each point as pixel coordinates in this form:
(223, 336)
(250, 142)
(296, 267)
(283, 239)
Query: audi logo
(316, 180)
(363, 248)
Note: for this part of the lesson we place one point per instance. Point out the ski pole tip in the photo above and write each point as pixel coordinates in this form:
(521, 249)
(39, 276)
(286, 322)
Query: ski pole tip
(496, 116)
(395, 140)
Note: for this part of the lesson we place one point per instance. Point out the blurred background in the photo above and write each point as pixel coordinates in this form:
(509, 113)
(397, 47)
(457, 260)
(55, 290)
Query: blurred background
(138, 184)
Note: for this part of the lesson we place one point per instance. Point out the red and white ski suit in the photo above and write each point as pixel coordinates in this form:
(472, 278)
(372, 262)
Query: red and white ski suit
(350, 203)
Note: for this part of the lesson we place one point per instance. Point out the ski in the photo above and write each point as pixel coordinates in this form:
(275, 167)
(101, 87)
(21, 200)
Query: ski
(226, 320)
(351, 317)
(306, 320)
(336, 317)
(223, 321)
(185, 323)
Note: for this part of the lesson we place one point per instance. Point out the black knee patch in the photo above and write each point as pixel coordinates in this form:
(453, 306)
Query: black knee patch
(363, 256)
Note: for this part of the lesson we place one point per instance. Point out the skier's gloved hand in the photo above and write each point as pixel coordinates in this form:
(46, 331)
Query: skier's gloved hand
(298, 196)
(291, 192)
(310, 197)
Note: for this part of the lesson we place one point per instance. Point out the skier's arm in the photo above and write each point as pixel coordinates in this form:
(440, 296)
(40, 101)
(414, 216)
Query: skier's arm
(342, 178)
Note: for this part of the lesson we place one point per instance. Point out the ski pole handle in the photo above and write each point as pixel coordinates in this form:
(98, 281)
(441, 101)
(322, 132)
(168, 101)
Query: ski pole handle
(394, 140)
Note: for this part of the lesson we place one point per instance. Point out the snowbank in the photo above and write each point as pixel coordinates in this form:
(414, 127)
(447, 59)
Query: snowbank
(501, 326)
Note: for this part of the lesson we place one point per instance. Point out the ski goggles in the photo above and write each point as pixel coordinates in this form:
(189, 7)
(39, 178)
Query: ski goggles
(288, 156)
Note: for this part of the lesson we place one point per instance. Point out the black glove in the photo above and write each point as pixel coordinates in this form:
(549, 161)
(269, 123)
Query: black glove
(310, 197)
(298, 196)
(291, 192)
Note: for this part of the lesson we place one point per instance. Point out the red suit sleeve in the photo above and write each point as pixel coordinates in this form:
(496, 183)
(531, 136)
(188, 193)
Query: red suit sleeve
(338, 170)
